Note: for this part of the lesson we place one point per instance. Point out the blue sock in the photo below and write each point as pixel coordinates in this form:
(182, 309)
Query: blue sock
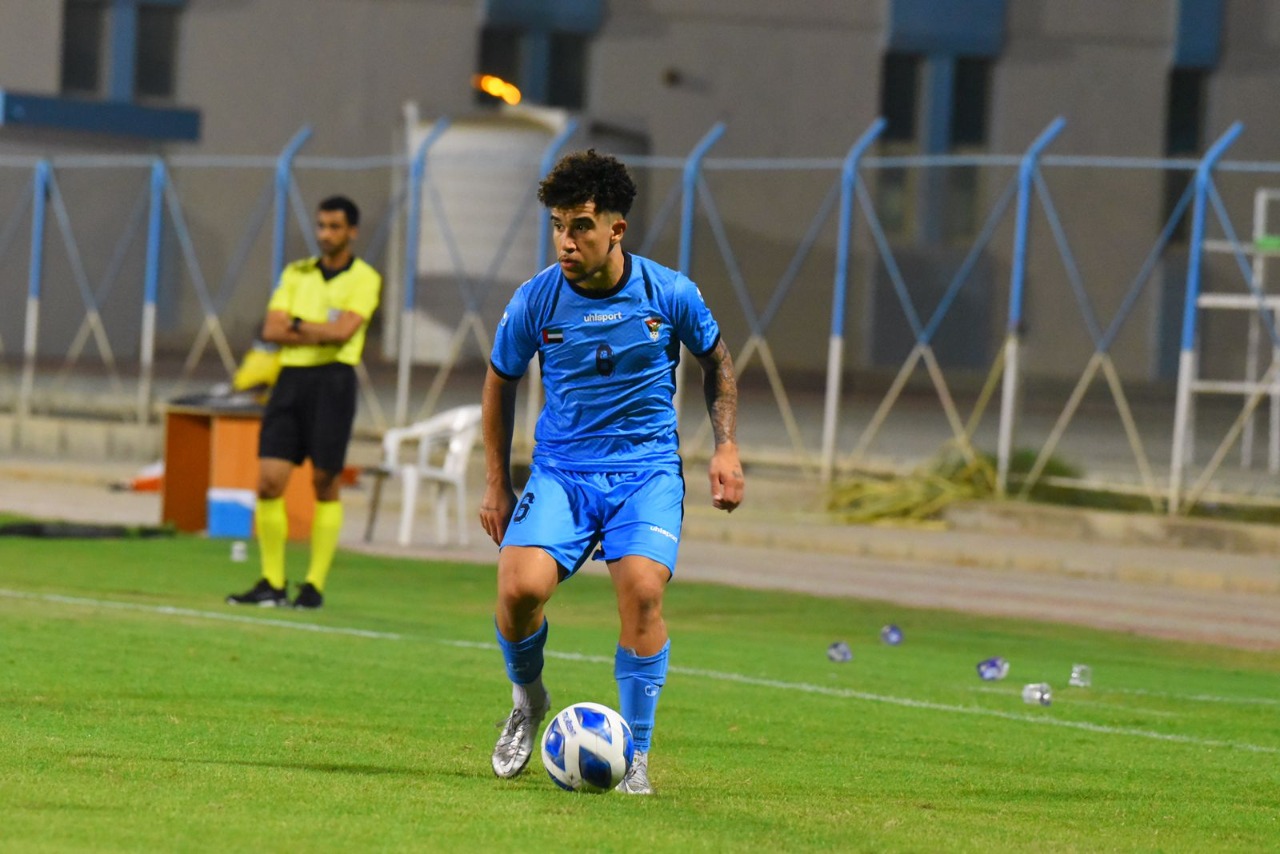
(523, 657)
(640, 681)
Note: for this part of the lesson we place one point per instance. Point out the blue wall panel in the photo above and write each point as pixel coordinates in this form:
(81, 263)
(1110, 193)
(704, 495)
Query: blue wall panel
(560, 16)
(1198, 41)
(110, 117)
(960, 27)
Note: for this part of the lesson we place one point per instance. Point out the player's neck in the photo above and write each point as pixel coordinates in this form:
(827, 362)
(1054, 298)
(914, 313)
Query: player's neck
(337, 261)
(607, 276)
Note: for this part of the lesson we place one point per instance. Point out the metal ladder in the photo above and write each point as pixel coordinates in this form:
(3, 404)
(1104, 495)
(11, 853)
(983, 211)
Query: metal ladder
(1264, 247)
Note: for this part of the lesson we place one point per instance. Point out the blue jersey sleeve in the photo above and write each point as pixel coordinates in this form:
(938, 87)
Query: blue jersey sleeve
(516, 340)
(694, 323)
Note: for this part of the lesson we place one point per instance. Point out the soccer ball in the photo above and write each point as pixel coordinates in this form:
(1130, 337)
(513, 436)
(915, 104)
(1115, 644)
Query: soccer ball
(587, 748)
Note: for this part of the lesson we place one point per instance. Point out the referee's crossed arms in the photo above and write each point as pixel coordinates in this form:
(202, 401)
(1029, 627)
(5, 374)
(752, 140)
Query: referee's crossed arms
(281, 328)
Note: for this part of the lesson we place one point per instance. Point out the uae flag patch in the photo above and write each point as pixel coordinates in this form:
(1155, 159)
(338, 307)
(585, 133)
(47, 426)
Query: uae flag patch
(552, 336)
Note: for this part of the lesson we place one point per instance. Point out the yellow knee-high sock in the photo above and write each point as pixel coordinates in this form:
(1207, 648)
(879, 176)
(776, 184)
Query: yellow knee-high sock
(325, 528)
(273, 530)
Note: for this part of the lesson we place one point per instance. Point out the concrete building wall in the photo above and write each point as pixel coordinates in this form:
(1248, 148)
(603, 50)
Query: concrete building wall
(343, 66)
(31, 36)
(1102, 67)
(790, 80)
(672, 69)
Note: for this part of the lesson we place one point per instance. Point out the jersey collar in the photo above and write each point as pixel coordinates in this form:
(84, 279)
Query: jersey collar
(332, 274)
(622, 282)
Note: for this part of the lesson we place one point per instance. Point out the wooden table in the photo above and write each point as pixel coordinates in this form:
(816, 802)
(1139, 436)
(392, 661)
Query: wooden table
(209, 446)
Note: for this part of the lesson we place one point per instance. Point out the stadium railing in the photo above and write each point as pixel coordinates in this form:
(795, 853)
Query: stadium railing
(145, 276)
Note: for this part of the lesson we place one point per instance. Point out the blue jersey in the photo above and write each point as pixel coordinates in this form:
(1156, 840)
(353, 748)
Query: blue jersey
(608, 363)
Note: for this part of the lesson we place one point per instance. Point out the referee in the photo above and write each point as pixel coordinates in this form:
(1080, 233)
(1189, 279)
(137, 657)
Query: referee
(318, 315)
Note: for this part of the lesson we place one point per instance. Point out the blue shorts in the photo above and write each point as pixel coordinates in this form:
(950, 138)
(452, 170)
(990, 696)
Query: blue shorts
(568, 514)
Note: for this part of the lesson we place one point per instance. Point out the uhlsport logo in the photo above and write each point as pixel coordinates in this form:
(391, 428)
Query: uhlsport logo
(664, 532)
(655, 327)
(602, 317)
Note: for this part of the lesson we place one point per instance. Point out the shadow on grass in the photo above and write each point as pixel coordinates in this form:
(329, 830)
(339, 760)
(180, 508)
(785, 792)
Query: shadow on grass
(318, 767)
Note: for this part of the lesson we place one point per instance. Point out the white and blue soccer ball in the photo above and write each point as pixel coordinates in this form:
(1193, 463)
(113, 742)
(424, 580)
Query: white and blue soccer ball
(587, 747)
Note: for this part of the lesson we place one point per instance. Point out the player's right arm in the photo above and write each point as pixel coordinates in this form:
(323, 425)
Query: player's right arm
(498, 418)
(514, 344)
(276, 328)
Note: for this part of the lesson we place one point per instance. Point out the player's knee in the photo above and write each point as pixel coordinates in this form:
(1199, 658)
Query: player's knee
(526, 578)
(520, 592)
(325, 484)
(270, 489)
(641, 603)
(519, 601)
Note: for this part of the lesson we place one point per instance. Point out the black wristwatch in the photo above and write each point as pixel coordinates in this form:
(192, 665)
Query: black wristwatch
(295, 324)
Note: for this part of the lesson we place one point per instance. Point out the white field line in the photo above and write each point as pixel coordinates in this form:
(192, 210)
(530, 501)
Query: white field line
(1166, 695)
(1199, 698)
(171, 611)
(971, 710)
(720, 676)
(1077, 700)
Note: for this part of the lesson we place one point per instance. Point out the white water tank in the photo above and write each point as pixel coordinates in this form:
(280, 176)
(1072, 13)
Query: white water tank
(480, 193)
(478, 234)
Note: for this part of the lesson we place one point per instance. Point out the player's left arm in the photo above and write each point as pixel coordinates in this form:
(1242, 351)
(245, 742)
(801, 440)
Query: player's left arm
(337, 331)
(720, 387)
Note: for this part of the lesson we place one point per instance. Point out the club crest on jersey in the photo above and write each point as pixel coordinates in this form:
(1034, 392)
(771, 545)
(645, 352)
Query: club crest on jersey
(655, 327)
(552, 336)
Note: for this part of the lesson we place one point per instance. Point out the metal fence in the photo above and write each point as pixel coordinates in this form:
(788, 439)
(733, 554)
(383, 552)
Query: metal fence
(1039, 302)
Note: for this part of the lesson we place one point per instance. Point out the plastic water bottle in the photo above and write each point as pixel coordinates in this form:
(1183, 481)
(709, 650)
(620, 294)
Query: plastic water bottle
(1081, 675)
(239, 551)
(839, 651)
(891, 634)
(1037, 693)
(993, 669)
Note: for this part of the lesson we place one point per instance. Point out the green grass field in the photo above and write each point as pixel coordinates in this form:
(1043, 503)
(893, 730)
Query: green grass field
(138, 713)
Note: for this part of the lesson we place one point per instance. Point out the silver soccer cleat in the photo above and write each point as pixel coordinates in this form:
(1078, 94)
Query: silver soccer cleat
(515, 745)
(637, 780)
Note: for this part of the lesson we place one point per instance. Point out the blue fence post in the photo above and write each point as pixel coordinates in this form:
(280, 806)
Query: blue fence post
(688, 203)
(533, 388)
(689, 197)
(413, 230)
(1188, 360)
(1026, 174)
(35, 274)
(284, 177)
(151, 288)
(844, 248)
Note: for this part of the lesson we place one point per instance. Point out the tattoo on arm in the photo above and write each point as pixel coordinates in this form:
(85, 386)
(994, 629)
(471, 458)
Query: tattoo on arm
(720, 388)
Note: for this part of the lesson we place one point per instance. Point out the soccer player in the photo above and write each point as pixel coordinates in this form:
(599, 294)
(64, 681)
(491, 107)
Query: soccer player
(606, 478)
(318, 314)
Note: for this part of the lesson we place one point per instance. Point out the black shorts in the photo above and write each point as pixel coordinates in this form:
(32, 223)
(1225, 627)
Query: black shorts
(310, 414)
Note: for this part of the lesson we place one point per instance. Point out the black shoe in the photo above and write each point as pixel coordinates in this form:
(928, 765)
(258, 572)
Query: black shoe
(262, 594)
(308, 598)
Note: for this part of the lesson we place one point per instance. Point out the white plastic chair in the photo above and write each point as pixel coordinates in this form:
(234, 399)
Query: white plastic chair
(444, 447)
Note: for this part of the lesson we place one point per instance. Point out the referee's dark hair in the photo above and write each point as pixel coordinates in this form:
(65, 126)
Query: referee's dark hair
(342, 203)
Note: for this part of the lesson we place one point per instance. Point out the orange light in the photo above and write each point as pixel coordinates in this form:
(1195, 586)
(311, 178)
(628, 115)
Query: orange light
(497, 87)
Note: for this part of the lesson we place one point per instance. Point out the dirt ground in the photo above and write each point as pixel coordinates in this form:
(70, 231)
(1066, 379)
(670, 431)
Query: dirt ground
(777, 541)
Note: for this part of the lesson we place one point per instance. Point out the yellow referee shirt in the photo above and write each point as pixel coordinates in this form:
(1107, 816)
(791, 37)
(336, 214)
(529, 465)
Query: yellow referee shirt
(303, 292)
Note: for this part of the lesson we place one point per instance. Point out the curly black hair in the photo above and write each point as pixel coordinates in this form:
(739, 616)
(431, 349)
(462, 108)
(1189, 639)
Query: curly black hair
(585, 176)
